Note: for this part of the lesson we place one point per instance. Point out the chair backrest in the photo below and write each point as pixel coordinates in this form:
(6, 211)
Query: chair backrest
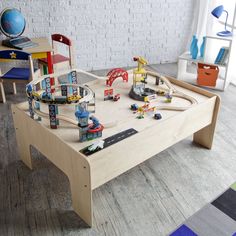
(63, 39)
(18, 55)
(14, 55)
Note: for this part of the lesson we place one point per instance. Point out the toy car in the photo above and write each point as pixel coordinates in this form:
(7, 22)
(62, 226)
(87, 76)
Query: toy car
(134, 107)
(116, 97)
(96, 146)
(73, 98)
(157, 116)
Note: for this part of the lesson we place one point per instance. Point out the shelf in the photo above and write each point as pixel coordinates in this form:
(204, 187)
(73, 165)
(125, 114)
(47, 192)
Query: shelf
(187, 67)
(192, 79)
(186, 56)
(229, 39)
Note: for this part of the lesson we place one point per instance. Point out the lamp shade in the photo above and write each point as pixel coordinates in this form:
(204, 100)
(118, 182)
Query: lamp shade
(217, 12)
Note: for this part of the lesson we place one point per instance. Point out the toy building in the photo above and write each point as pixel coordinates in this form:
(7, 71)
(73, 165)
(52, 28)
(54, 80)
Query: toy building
(87, 131)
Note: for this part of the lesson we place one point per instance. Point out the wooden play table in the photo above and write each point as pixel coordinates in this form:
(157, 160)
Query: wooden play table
(87, 173)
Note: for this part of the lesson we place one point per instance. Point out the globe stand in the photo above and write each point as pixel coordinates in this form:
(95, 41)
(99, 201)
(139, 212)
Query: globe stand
(19, 43)
(12, 24)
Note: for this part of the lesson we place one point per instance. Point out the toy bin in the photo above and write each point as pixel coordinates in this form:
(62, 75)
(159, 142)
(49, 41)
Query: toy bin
(207, 74)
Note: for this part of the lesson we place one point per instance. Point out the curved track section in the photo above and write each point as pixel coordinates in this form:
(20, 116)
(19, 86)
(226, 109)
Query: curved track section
(59, 117)
(89, 94)
(69, 120)
(176, 93)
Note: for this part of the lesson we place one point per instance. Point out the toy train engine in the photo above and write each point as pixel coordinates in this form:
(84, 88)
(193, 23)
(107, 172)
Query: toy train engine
(60, 99)
(35, 95)
(46, 97)
(29, 90)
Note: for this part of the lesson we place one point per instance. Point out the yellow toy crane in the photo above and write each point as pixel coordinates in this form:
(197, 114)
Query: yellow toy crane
(140, 74)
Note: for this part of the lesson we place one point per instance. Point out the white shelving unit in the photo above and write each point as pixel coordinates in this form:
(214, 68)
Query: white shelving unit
(187, 67)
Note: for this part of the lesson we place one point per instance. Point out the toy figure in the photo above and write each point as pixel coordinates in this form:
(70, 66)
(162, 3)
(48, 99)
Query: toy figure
(169, 96)
(141, 113)
(95, 121)
(29, 89)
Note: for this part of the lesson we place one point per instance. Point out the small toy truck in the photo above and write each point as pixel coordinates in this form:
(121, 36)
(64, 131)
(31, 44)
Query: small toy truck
(116, 97)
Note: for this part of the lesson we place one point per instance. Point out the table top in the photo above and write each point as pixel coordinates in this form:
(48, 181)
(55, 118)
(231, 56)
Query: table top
(43, 46)
(118, 112)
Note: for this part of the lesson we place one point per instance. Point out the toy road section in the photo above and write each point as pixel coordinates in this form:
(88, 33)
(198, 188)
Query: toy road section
(110, 141)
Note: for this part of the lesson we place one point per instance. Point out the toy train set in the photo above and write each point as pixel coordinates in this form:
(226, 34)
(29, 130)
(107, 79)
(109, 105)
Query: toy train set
(48, 98)
(54, 92)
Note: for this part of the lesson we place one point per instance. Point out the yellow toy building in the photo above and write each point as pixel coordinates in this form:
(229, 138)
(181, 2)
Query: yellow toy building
(138, 91)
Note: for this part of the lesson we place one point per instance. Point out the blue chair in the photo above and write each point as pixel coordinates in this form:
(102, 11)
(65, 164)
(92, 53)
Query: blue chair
(16, 74)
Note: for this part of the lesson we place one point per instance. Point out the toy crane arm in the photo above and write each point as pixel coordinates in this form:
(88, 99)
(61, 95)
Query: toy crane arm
(141, 62)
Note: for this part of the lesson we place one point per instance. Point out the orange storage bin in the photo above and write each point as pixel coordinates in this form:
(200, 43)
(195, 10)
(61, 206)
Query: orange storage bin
(207, 74)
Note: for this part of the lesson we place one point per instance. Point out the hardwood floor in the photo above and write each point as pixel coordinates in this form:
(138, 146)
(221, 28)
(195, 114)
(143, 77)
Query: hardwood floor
(151, 199)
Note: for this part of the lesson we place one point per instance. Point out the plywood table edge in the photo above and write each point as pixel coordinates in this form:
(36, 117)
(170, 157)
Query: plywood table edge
(177, 128)
(204, 136)
(75, 167)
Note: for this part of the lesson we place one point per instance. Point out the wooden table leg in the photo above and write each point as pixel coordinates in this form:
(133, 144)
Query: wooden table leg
(2, 89)
(205, 136)
(2, 92)
(81, 193)
(14, 88)
(22, 144)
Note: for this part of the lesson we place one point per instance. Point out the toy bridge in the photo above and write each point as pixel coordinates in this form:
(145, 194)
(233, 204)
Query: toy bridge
(116, 73)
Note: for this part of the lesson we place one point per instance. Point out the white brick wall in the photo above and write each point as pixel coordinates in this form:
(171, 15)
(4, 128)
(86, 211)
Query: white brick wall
(108, 33)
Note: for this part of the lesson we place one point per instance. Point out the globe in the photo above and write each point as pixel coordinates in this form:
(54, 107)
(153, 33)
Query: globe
(12, 22)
